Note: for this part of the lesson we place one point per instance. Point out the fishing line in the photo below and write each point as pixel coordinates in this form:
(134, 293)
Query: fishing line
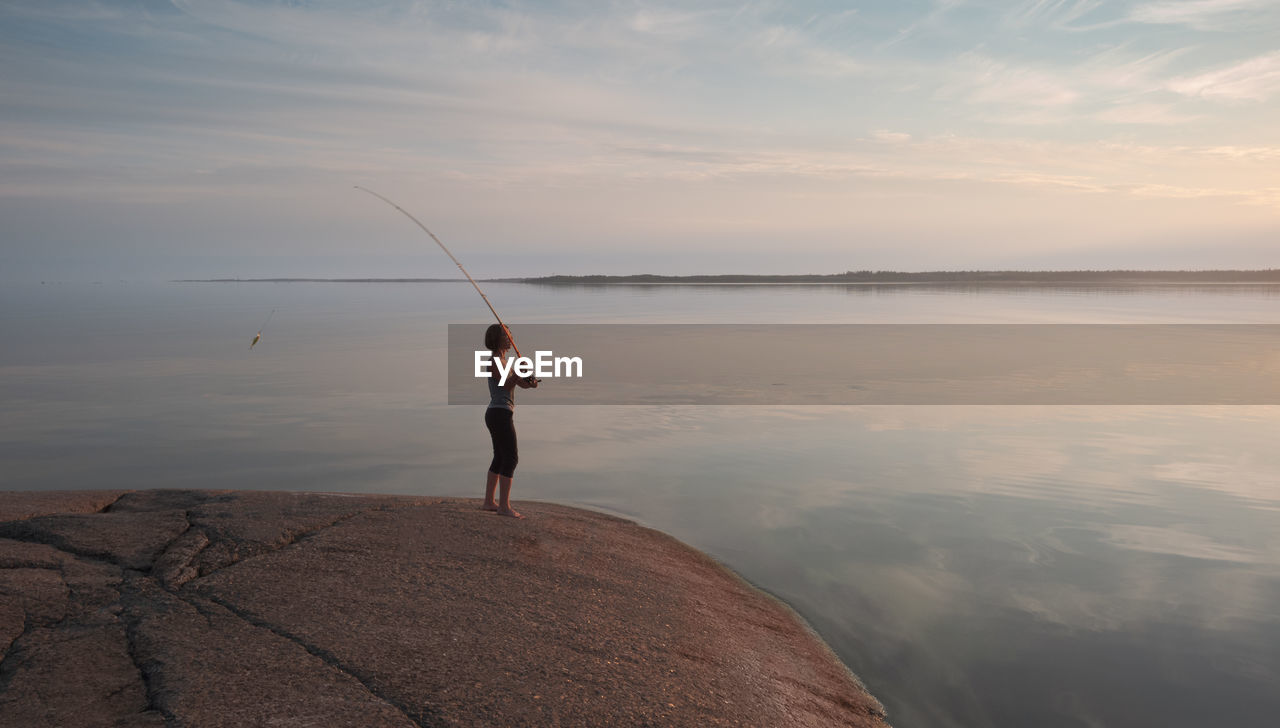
(494, 311)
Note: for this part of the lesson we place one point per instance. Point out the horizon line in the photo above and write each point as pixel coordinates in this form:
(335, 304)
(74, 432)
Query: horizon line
(1259, 275)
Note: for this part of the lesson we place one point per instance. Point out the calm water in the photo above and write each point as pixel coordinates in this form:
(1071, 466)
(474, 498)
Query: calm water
(976, 566)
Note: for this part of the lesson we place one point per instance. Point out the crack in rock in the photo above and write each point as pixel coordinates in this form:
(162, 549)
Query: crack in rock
(132, 540)
(218, 557)
(32, 539)
(10, 651)
(107, 508)
(173, 567)
(132, 624)
(423, 717)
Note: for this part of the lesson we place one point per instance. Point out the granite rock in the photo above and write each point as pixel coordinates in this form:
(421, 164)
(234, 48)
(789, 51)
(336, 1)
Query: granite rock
(208, 608)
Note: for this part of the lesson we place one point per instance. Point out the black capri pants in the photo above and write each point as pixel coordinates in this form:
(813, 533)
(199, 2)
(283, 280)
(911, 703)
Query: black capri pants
(502, 428)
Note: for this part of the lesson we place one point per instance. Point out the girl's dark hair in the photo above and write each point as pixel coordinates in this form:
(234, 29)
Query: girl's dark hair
(494, 337)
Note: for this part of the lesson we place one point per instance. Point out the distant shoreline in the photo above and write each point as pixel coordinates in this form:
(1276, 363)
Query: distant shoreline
(1268, 275)
(1271, 275)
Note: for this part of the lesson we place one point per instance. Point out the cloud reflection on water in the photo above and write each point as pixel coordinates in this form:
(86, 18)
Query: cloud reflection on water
(976, 565)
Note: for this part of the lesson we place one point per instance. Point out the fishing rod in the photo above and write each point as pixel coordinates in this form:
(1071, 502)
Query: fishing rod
(494, 311)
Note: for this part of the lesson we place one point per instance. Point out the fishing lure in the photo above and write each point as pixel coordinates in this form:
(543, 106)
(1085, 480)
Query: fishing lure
(258, 337)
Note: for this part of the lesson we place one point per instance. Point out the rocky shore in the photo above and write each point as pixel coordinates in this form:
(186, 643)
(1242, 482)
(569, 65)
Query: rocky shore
(248, 608)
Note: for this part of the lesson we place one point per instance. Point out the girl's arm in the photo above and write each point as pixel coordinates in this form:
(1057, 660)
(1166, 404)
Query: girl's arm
(513, 381)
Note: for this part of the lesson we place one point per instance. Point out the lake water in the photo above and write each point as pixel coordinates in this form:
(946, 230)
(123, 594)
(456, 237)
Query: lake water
(974, 565)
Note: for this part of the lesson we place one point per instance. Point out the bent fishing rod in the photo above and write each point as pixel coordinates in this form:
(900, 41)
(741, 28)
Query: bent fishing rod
(475, 285)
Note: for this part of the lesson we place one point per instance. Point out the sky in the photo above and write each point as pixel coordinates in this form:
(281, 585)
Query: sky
(222, 138)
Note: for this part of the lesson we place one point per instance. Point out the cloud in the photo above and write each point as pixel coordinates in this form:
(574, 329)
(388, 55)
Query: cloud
(987, 81)
(1059, 14)
(1018, 92)
(670, 23)
(1256, 79)
(1116, 69)
(1209, 15)
(884, 135)
(1145, 114)
(786, 111)
(931, 20)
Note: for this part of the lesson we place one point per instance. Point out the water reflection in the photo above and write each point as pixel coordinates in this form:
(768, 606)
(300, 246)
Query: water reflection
(1000, 566)
(976, 566)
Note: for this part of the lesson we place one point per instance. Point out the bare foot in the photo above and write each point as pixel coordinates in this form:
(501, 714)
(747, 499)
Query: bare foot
(489, 507)
(509, 512)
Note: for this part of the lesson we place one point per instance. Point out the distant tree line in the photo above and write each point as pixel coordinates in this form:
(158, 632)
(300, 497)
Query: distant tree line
(1269, 275)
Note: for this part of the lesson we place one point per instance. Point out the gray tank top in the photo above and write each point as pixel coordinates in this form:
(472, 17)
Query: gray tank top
(501, 397)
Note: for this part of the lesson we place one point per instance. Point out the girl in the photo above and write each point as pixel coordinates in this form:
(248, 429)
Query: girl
(502, 429)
